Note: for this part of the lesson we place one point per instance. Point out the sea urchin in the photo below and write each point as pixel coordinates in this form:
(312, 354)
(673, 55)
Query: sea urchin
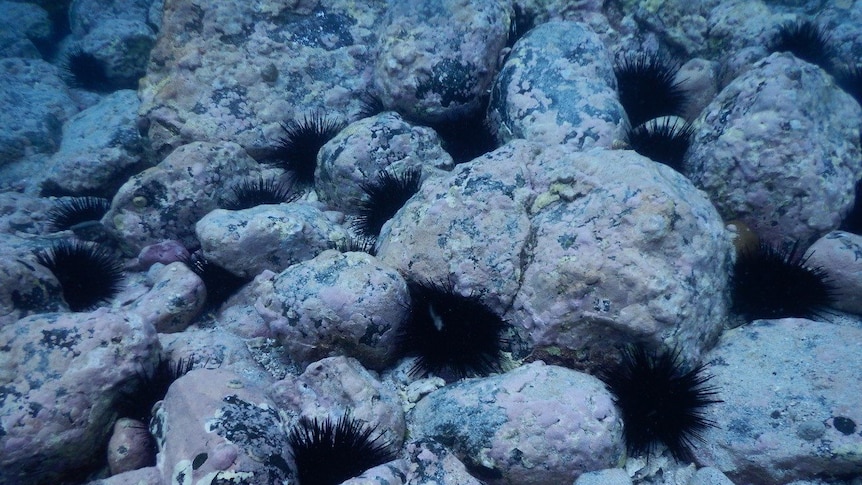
(383, 197)
(648, 88)
(660, 401)
(769, 282)
(296, 151)
(452, 335)
(89, 274)
(327, 453)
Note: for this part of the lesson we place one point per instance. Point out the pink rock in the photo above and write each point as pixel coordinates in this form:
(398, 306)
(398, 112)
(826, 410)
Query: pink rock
(60, 373)
(778, 148)
(215, 423)
(131, 447)
(790, 410)
(535, 425)
(336, 385)
(337, 304)
(839, 253)
(165, 252)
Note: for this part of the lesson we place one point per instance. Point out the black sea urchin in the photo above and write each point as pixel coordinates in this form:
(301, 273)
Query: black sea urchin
(663, 141)
(327, 453)
(849, 78)
(86, 71)
(151, 386)
(383, 197)
(660, 401)
(89, 274)
(69, 212)
(219, 282)
(254, 192)
(769, 282)
(648, 88)
(296, 151)
(451, 334)
(807, 41)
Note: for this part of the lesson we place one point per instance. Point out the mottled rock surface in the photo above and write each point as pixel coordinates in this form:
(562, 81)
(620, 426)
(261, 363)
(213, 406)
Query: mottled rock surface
(337, 304)
(839, 253)
(266, 237)
(534, 425)
(165, 201)
(332, 387)
(234, 70)
(558, 86)
(60, 375)
(101, 148)
(429, 462)
(437, 58)
(791, 402)
(175, 298)
(361, 150)
(778, 148)
(559, 242)
(213, 424)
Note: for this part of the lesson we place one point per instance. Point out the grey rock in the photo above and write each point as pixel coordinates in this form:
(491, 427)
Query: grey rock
(611, 476)
(24, 28)
(430, 463)
(266, 237)
(558, 86)
(32, 93)
(101, 148)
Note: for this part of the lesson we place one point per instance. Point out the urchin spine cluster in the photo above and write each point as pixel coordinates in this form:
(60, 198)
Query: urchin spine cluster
(70, 212)
(89, 274)
(771, 282)
(219, 282)
(383, 197)
(328, 453)
(664, 140)
(647, 87)
(259, 191)
(296, 150)
(660, 401)
(450, 334)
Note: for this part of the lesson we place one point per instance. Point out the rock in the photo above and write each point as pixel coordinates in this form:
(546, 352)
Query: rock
(331, 387)
(141, 476)
(202, 84)
(26, 287)
(175, 299)
(839, 253)
(337, 304)
(266, 237)
(24, 28)
(557, 241)
(437, 58)
(355, 155)
(61, 373)
(430, 463)
(213, 424)
(558, 86)
(710, 476)
(165, 201)
(778, 148)
(611, 476)
(537, 424)
(101, 148)
(131, 447)
(791, 402)
(32, 93)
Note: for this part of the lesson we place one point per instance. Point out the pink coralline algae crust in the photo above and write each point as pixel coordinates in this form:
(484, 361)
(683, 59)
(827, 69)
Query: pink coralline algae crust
(534, 425)
(337, 304)
(791, 402)
(60, 373)
(778, 148)
(577, 250)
